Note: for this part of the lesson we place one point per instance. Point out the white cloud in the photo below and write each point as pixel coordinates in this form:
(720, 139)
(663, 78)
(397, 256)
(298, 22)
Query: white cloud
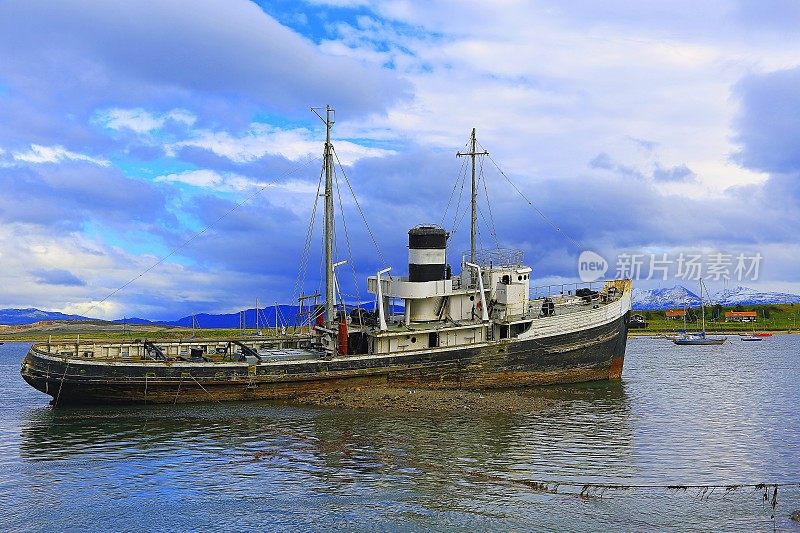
(548, 89)
(231, 182)
(210, 179)
(55, 154)
(262, 139)
(196, 178)
(140, 121)
(108, 310)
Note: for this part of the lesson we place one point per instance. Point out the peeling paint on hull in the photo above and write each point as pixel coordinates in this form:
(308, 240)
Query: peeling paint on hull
(590, 355)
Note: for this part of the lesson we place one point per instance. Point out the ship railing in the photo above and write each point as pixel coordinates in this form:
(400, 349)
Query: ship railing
(136, 349)
(611, 288)
(496, 257)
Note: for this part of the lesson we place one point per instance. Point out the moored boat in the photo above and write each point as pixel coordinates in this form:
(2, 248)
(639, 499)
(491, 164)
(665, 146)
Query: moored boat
(699, 338)
(480, 328)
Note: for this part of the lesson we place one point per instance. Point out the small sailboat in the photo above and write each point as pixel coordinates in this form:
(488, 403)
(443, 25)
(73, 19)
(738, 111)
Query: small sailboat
(754, 336)
(751, 338)
(697, 339)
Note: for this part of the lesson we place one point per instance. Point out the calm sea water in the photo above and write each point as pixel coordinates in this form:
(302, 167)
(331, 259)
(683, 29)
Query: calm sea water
(681, 415)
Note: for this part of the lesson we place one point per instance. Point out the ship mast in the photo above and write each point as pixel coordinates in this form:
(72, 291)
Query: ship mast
(474, 221)
(330, 298)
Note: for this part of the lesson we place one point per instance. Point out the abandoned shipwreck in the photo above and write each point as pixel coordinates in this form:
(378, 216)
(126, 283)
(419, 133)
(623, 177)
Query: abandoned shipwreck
(484, 327)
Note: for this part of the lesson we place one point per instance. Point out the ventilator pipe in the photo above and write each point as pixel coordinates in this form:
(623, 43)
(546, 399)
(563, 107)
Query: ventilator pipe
(381, 313)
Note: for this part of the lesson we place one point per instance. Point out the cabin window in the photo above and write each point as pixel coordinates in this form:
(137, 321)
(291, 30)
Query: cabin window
(517, 329)
(506, 280)
(504, 332)
(433, 340)
(413, 339)
(519, 278)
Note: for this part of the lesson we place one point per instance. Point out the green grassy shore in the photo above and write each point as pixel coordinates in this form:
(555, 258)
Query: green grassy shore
(64, 330)
(776, 318)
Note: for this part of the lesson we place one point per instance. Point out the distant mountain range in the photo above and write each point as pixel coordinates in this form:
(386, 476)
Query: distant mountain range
(266, 318)
(288, 315)
(678, 296)
(31, 315)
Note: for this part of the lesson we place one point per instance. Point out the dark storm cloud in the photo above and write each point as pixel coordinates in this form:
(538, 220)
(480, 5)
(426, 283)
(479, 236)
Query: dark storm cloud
(63, 196)
(604, 162)
(57, 276)
(769, 121)
(768, 132)
(676, 173)
(225, 60)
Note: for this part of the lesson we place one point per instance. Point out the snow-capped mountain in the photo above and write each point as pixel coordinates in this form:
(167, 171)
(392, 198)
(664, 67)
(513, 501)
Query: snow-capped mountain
(673, 297)
(678, 296)
(747, 296)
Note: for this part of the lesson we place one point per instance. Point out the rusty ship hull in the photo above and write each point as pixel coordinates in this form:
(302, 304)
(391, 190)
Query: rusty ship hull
(587, 355)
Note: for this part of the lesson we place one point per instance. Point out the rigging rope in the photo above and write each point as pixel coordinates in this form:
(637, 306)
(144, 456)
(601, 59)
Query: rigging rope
(457, 211)
(347, 241)
(493, 227)
(575, 243)
(304, 258)
(482, 217)
(358, 205)
(461, 175)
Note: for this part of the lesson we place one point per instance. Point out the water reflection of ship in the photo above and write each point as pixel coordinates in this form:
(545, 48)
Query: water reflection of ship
(427, 450)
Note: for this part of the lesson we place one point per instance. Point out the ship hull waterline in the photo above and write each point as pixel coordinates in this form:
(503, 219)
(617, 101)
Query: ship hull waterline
(595, 354)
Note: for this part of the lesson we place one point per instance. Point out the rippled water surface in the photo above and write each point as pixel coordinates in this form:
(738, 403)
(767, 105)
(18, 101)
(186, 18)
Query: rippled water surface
(681, 415)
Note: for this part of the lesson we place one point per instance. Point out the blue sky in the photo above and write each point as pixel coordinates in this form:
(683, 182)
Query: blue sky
(125, 128)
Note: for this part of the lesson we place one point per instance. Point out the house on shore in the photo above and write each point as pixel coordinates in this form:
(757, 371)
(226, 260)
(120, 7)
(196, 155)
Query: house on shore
(675, 314)
(741, 316)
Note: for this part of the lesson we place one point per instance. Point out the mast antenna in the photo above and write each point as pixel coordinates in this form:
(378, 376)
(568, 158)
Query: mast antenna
(474, 221)
(330, 297)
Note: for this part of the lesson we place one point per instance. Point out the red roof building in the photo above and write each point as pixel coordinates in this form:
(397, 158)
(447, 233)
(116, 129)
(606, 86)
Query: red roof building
(741, 316)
